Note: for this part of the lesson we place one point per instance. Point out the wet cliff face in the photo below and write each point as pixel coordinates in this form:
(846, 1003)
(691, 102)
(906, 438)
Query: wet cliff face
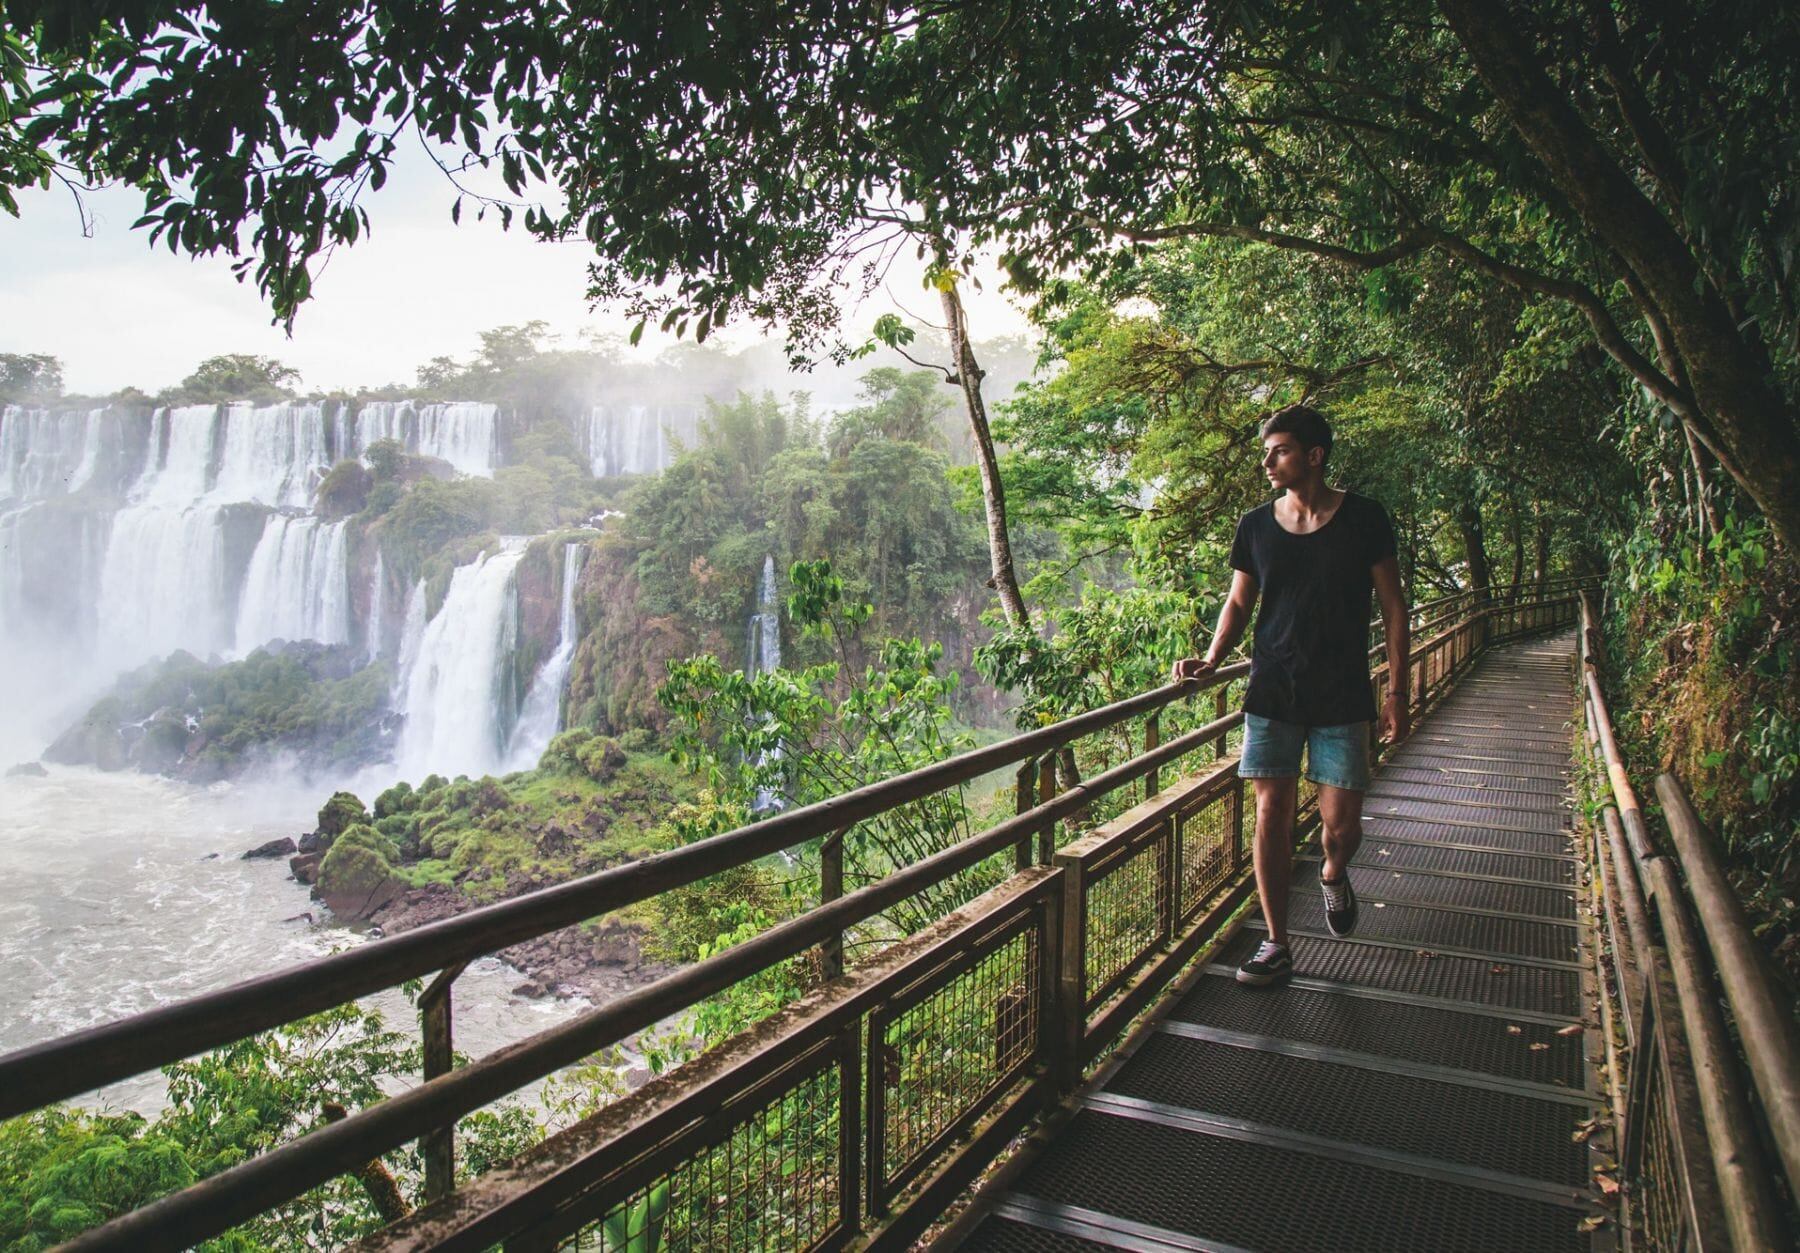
(624, 653)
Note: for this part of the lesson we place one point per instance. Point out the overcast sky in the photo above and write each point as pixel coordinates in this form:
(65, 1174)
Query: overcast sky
(118, 313)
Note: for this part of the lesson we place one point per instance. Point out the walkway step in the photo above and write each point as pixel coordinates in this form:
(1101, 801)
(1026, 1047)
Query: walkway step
(1415, 1086)
(1244, 1192)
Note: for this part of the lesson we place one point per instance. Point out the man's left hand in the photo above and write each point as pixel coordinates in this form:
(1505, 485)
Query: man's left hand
(1396, 719)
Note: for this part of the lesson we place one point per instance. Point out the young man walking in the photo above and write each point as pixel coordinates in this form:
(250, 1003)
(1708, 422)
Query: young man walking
(1312, 555)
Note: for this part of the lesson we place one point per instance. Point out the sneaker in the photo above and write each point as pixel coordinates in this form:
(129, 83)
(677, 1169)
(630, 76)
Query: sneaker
(1271, 962)
(1340, 904)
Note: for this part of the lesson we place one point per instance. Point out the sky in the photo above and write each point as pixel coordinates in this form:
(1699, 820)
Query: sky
(117, 313)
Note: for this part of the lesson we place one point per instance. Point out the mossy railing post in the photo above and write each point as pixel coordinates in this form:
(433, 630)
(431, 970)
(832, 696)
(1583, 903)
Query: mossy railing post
(1152, 737)
(831, 886)
(438, 1147)
(1218, 711)
(1046, 792)
(1024, 798)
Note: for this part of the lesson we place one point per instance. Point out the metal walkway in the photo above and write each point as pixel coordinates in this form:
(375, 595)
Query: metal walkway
(1419, 1086)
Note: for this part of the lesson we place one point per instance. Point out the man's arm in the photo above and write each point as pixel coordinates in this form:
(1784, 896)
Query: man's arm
(1233, 618)
(1396, 625)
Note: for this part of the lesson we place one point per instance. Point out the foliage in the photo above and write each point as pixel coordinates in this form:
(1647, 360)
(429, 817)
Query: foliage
(29, 378)
(794, 737)
(316, 704)
(234, 376)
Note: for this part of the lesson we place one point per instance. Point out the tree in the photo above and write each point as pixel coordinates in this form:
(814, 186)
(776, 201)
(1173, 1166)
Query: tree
(29, 377)
(234, 376)
(742, 157)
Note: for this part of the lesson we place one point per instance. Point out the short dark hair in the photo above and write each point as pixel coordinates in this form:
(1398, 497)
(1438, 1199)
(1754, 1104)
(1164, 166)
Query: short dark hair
(1304, 423)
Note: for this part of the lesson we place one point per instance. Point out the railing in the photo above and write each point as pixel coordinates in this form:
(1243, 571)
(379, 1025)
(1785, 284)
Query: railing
(858, 1112)
(1692, 1163)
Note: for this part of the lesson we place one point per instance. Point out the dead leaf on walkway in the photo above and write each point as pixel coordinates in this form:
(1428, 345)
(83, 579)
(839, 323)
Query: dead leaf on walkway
(1425, 953)
(1498, 969)
(1573, 1028)
(1607, 1184)
(1593, 1222)
(1539, 1047)
(1513, 1029)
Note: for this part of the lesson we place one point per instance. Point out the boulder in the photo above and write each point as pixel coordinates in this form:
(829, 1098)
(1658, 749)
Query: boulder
(305, 867)
(313, 842)
(274, 848)
(27, 770)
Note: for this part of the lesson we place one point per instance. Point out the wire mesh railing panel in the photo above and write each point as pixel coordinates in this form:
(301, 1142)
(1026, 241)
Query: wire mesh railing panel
(943, 1053)
(770, 1180)
(1127, 913)
(1659, 1216)
(1206, 840)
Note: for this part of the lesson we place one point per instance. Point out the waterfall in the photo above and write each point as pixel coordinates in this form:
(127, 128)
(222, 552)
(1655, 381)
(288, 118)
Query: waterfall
(764, 653)
(763, 656)
(44, 454)
(273, 455)
(637, 439)
(464, 433)
(377, 609)
(162, 585)
(298, 584)
(540, 718)
(456, 695)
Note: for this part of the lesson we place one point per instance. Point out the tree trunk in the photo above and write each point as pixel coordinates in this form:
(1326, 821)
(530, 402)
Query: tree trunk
(968, 377)
(1540, 554)
(1468, 525)
(1738, 411)
(1517, 527)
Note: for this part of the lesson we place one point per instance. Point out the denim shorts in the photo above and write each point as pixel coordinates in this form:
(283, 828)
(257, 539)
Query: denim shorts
(1335, 756)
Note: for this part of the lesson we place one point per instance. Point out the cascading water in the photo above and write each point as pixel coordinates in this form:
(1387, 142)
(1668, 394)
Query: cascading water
(637, 439)
(463, 433)
(763, 656)
(373, 641)
(456, 692)
(273, 455)
(298, 584)
(540, 718)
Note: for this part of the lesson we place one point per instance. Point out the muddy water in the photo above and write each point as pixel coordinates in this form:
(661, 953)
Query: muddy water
(119, 893)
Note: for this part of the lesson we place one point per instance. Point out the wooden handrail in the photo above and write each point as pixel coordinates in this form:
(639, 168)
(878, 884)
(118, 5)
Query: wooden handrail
(1765, 1024)
(1746, 1203)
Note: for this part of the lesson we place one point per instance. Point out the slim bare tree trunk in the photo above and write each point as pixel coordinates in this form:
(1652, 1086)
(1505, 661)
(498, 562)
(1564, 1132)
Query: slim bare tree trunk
(1468, 525)
(967, 376)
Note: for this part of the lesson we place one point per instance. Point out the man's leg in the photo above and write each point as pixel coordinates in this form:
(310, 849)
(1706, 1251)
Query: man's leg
(1337, 759)
(1340, 816)
(1274, 851)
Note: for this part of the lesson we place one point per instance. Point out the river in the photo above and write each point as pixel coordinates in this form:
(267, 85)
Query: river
(122, 892)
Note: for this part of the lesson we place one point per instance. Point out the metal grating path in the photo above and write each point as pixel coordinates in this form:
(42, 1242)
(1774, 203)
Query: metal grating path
(1416, 1086)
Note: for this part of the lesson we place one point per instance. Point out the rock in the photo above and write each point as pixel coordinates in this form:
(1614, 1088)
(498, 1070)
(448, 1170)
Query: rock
(531, 988)
(210, 857)
(307, 918)
(274, 848)
(314, 842)
(27, 770)
(305, 867)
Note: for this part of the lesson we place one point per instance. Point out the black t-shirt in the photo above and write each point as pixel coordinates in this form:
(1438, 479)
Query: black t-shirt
(1310, 663)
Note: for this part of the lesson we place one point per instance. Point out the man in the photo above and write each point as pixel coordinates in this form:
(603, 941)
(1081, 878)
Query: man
(1312, 555)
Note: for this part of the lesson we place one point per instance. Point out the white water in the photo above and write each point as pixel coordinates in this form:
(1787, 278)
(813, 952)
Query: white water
(464, 433)
(540, 718)
(377, 609)
(763, 656)
(637, 439)
(454, 692)
(111, 908)
(298, 584)
(273, 455)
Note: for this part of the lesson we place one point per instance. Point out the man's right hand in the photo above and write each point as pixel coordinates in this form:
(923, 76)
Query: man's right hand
(1193, 668)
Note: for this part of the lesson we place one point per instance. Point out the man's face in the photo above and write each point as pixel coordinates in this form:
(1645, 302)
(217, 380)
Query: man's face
(1287, 461)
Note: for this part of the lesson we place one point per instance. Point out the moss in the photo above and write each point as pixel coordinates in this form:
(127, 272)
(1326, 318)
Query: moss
(343, 811)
